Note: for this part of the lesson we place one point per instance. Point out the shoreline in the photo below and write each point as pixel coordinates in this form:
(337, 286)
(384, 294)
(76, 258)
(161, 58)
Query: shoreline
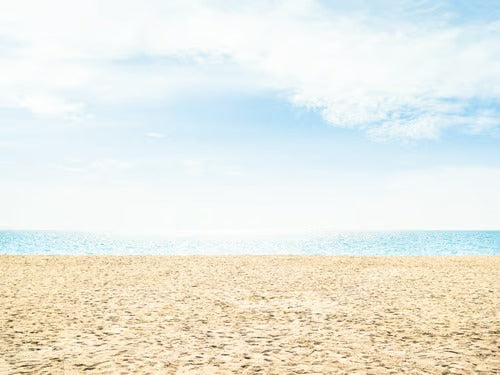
(248, 255)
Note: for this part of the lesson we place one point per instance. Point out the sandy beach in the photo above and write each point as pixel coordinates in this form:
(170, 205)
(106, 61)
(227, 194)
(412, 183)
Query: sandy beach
(249, 314)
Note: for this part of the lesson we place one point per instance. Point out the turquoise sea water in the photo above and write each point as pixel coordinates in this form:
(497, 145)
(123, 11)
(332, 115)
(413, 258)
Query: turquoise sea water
(342, 243)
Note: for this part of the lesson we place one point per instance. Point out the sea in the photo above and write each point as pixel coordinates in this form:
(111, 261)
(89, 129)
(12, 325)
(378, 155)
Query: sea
(408, 243)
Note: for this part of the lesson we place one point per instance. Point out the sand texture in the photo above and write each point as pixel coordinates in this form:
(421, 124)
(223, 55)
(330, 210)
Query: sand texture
(249, 315)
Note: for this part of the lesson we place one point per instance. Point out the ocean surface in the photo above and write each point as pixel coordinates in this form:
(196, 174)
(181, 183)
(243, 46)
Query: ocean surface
(341, 243)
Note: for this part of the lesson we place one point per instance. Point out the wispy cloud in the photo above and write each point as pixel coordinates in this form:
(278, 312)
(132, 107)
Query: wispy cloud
(45, 105)
(405, 70)
(104, 165)
(155, 135)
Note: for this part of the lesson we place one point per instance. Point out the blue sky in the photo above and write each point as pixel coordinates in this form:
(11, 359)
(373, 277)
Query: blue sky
(259, 117)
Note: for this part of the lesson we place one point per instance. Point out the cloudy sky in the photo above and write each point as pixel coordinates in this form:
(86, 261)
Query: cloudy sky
(249, 116)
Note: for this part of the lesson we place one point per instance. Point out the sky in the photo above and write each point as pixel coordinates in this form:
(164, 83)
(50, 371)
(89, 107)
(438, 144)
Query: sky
(249, 117)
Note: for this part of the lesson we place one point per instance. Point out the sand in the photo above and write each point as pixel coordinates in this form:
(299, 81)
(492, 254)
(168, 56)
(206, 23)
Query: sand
(249, 314)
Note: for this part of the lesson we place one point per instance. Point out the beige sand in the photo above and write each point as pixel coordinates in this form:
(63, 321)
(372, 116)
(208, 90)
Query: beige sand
(245, 315)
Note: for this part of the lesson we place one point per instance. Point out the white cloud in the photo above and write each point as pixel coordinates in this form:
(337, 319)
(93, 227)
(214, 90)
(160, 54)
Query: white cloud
(51, 106)
(155, 135)
(96, 167)
(407, 73)
(110, 164)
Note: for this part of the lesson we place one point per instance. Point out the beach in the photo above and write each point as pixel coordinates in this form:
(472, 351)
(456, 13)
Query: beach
(249, 314)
